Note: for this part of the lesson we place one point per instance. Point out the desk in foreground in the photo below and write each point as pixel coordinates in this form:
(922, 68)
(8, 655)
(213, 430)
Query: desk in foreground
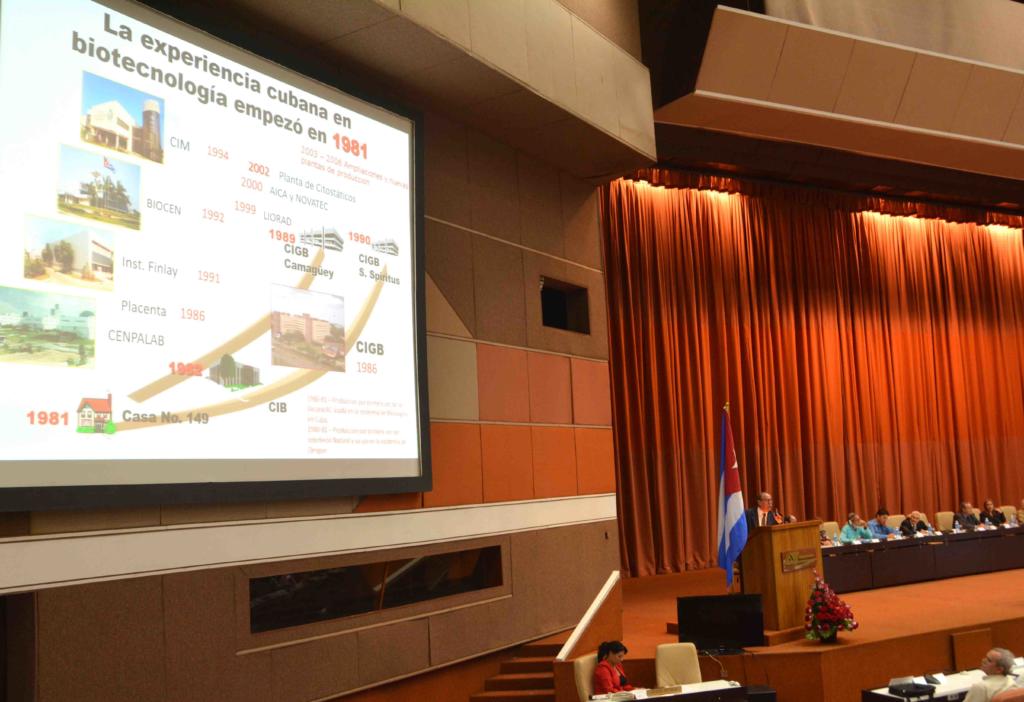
(953, 687)
(710, 691)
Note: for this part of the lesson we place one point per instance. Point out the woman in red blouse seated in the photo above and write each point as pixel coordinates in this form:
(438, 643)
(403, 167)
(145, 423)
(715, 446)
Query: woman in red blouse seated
(608, 675)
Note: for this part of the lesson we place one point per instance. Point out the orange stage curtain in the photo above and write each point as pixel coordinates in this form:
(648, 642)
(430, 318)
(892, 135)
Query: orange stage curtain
(869, 359)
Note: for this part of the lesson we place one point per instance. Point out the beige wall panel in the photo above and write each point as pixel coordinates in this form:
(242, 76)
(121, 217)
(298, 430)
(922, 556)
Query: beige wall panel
(523, 109)
(450, 264)
(311, 508)
(452, 377)
(193, 514)
(94, 519)
(988, 102)
(580, 221)
(497, 31)
(493, 188)
(464, 632)
(549, 51)
(741, 55)
(389, 651)
(103, 642)
(449, 18)
(1015, 129)
(394, 45)
(618, 20)
(933, 92)
(811, 69)
(441, 316)
(498, 291)
(540, 206)
(874, 81)
(322, 20)
(594, 58)
(200, 639)
(446, 171)
(636, 110)
(594, 344)
(461, 83)
(583, 559)
(315, 669)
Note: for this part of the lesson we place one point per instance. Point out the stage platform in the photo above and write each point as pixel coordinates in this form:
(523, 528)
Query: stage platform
(939, 626)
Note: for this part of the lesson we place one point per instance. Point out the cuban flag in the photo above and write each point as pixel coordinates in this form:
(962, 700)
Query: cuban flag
(108, 164)
(732, 524)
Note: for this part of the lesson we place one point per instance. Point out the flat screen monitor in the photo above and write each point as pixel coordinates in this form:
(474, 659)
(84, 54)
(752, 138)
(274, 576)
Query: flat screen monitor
(211, 278)
(721, 622)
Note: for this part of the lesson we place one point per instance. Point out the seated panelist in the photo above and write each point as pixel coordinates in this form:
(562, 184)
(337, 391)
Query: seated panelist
(992, 516)
(878, 527)
(965, 519)
(608, 675)
(854, 530)
(914, 523)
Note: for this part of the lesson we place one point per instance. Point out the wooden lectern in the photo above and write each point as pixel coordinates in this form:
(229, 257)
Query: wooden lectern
(778, 563)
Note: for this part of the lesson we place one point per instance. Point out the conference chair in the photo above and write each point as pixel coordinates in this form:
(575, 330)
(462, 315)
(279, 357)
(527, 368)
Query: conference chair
(895, 520)
(1009, 510)
(1011, 695)
(676, 664)
(583, 671)
(944, 521)
(831, 529)
(977, 512)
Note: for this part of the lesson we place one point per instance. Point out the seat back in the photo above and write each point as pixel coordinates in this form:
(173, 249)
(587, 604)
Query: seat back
(830, 528)
(977, 512)
(676, 664)
(895, 520)
(1009, 510)
(943, 521)
(1014, 693)
(583, 671)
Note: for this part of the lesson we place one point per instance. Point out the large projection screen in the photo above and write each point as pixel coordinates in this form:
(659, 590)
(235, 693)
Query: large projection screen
(211, 282)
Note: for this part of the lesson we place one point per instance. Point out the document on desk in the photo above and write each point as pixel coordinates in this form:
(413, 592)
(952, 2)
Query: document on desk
(684, 689)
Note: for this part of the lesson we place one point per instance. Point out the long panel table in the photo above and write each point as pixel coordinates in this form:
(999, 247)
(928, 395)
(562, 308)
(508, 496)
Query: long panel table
(885, 563)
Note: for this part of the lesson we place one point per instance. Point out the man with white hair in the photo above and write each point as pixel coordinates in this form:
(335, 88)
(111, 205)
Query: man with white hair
(996, 665)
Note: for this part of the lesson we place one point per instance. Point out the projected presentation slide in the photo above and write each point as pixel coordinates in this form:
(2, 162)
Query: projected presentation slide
(208, 261)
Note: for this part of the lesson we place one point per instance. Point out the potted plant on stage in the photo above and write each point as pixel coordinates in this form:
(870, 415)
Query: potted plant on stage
(826, 614)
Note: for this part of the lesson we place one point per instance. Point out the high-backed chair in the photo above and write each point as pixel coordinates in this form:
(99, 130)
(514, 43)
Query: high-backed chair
(583, 671)
(895, 520)
(1009, 510)
(1014, 694)
(676, 664)
(977, 512)
(830, 529)
(943, 521)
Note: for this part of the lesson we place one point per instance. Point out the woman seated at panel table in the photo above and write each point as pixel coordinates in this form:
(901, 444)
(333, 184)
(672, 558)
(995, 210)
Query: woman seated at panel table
(914, 523)
(855, 529)
(608, 675)
(991, 515)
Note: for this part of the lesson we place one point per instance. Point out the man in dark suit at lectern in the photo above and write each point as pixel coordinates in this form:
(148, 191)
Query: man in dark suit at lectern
(763, 514)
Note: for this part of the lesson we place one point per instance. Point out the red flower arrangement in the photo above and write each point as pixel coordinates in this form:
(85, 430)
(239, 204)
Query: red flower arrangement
(826, 614)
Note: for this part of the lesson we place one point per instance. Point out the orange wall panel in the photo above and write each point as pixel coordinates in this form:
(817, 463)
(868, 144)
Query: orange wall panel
(458, 478)
(550, 388)
(503, 383)
(595, 461)
(388, 503)
(591, 393)
(554, 461)
(507, 462)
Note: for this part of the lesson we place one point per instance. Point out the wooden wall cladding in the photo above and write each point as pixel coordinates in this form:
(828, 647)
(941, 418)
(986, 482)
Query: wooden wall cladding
(184, 637)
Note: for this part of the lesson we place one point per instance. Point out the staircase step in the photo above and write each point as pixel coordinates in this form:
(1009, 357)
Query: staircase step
(521, 681)
(514, 696)
(527, 664)
(540, 649)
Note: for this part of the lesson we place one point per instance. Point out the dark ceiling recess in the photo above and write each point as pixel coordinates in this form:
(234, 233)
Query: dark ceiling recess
(674, 33)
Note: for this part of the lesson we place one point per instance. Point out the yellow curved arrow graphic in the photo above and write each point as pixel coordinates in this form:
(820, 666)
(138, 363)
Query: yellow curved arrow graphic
(244, 338)
(279, 388)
